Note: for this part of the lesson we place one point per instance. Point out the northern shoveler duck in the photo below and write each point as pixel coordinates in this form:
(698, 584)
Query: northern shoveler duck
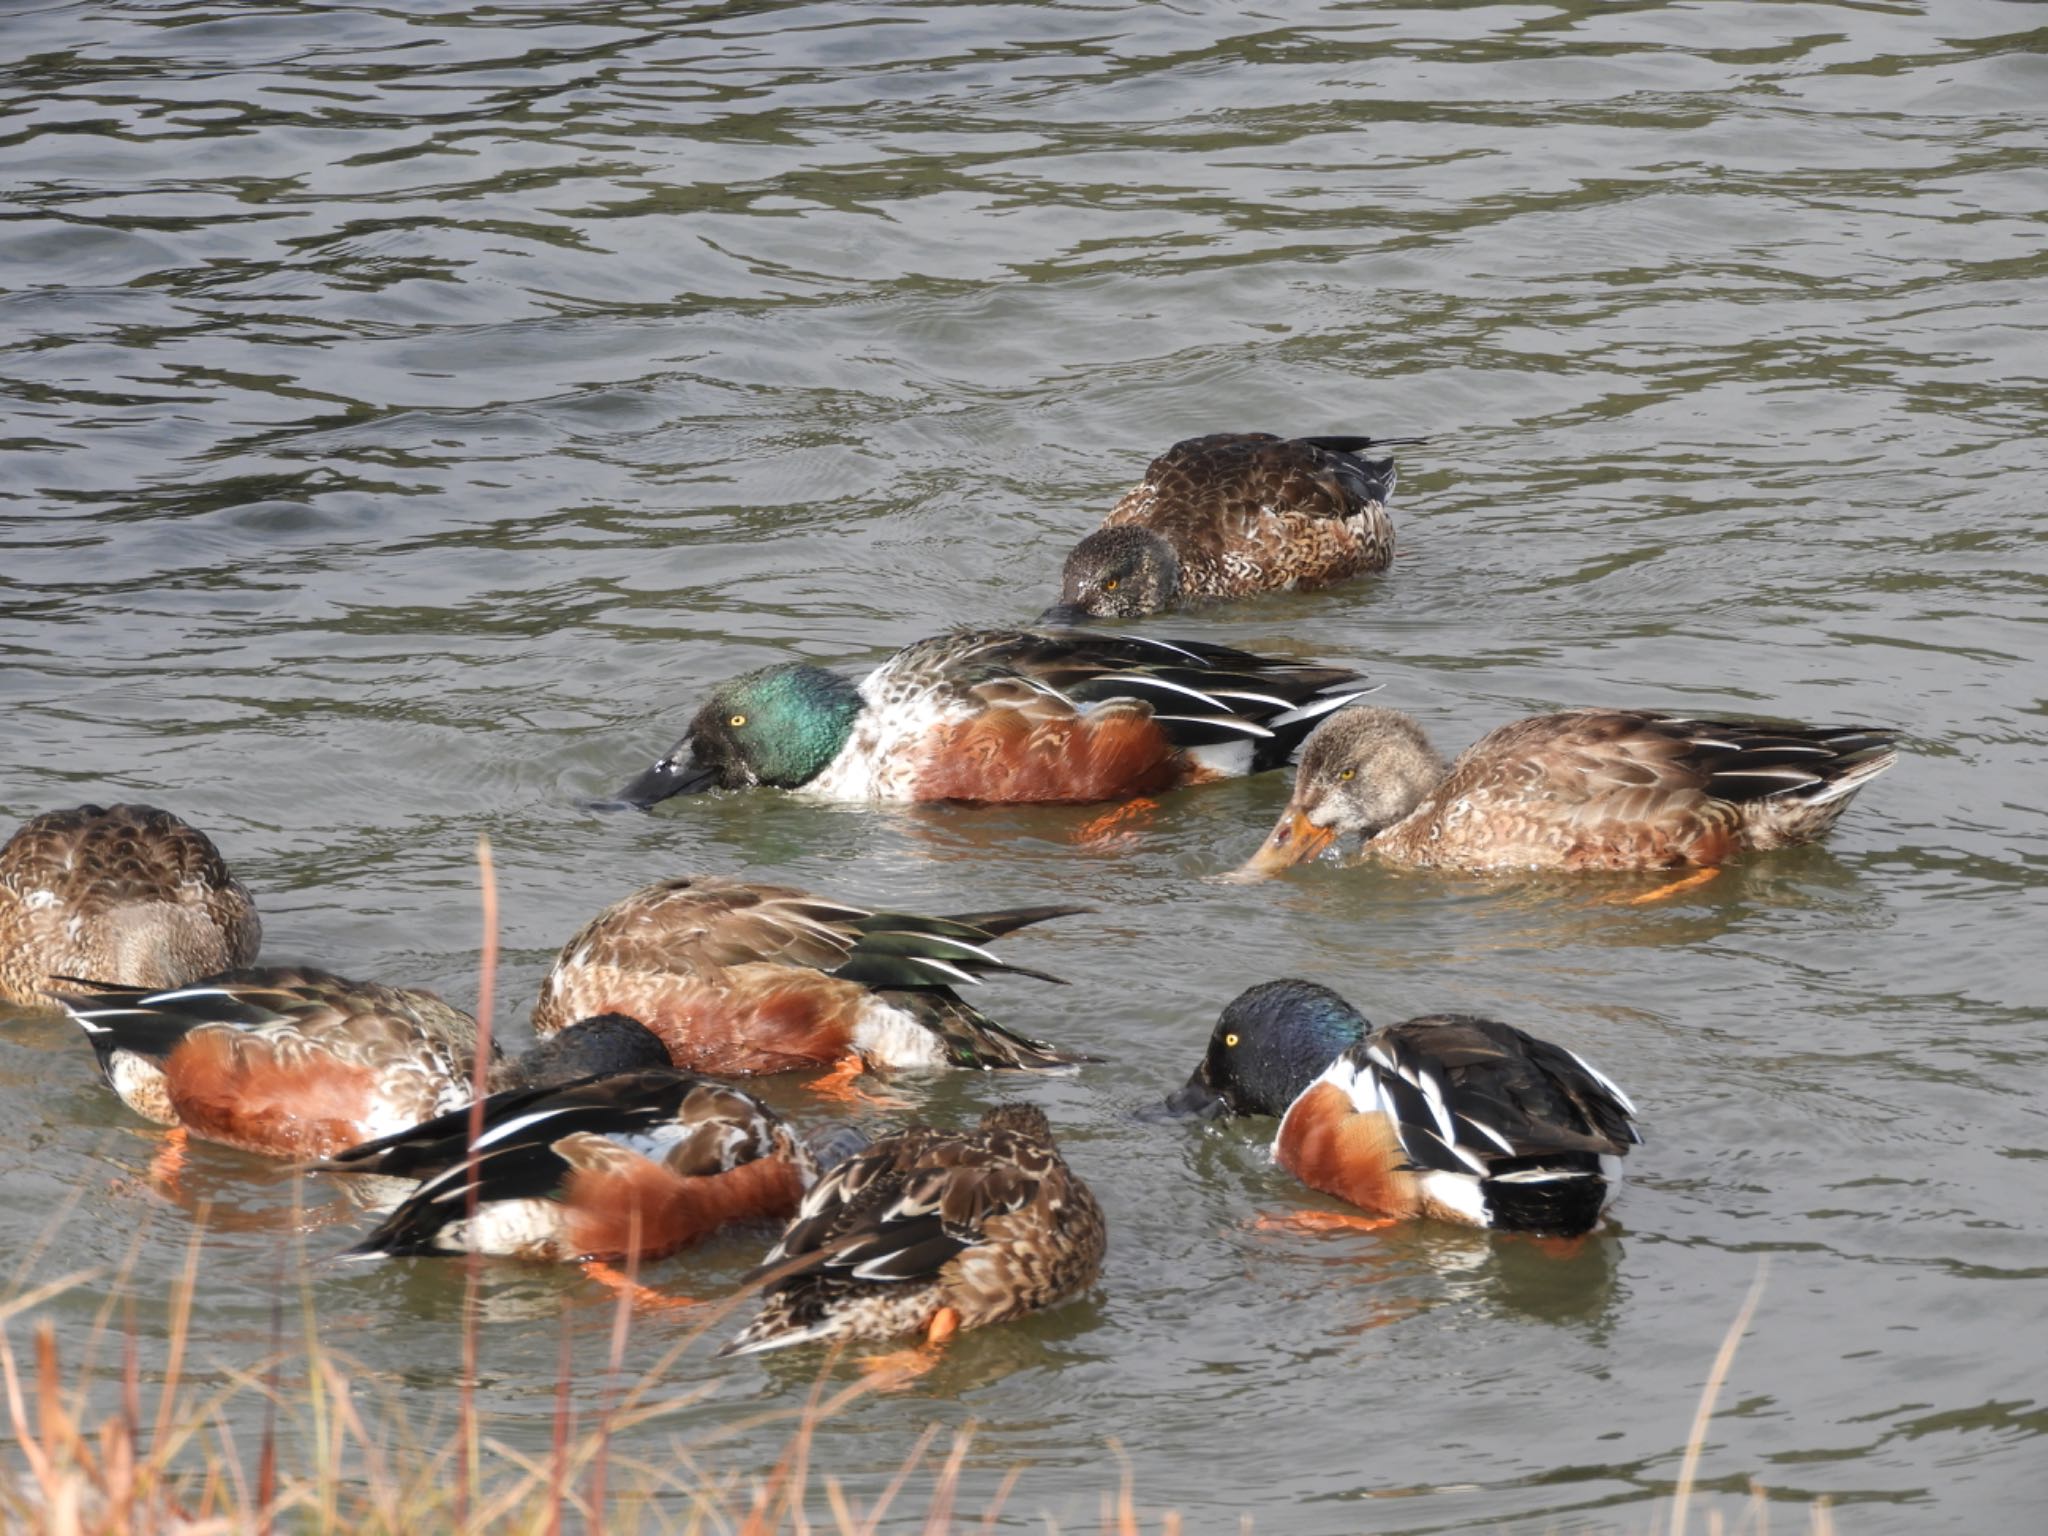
(1587, 789)
(125, 893)
(1002, 716)
(627, 1166)
(300, 1063)
(931, 1231)
(1449, 1116)
(740, 978)
(1231, 515)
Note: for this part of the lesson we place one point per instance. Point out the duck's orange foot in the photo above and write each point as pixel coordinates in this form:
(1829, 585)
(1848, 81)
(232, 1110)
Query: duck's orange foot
(1321, 1221)
(633, 1290)
(899, 1368)
(1693, 881)
(841, 1086)
(1118, 825)
(169, 1162)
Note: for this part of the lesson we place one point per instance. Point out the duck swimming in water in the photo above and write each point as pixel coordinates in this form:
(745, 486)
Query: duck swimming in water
(1003, 716)
(1604, 789)
(1231, 515)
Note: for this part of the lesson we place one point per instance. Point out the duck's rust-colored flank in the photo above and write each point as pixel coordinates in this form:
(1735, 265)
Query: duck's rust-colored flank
(1328, 1145)
(1011, 756)
(739, 977)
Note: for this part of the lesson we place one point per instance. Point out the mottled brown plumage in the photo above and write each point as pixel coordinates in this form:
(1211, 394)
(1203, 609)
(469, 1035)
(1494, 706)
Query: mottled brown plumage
(1230, 515)
(990, 1223)
(123, 893)
(739, 978)
(1585, 789)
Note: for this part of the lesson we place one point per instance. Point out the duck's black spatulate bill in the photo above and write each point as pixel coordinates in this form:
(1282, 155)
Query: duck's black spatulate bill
(665, 779)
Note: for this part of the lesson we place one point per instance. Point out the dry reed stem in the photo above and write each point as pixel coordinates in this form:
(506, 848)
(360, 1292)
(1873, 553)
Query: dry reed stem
(480, 1072)
(1724, 1361)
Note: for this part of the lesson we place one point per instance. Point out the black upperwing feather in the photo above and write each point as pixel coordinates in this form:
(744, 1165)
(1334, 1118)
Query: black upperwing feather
(603, 1104)
(122, 1019)
(1757, 759)
(520, 1171)
(1516, 1096)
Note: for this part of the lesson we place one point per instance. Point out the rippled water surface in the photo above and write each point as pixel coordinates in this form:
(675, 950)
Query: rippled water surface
(409, 409)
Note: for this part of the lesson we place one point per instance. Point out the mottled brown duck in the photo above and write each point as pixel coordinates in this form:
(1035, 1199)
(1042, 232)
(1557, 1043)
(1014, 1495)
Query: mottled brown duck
(928, 1232)
(121, 893)
(1232, 515)
(1586, 789)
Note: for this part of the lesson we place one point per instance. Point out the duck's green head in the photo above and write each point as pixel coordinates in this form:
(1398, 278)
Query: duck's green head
(779, 726)
(1270, 1044)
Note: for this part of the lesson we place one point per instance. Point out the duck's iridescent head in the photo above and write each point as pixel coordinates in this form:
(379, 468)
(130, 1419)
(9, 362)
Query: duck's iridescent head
(779, 726)
(1272, 1041)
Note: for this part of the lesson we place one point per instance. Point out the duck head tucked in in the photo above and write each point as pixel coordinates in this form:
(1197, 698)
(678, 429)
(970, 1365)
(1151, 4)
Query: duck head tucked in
(778, 726)
(1120, 572)
(598, 1046)
(1362, 770)
(1272, 1041)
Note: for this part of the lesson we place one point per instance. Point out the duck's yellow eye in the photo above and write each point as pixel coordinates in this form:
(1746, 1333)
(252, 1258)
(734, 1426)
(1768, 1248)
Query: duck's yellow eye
(739, 720)
(1347, 773)
(1230, 1039)
(1109, 585)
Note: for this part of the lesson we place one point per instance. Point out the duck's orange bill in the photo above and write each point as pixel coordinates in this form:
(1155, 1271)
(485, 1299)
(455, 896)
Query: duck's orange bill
(1294, 840)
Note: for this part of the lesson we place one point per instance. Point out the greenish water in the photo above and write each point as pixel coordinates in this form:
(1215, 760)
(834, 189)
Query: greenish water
(409, 409)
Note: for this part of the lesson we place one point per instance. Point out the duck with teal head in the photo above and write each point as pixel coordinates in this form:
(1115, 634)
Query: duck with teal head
(1002, 716)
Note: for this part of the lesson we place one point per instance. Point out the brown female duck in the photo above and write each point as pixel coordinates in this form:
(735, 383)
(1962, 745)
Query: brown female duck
(120, 893)
(928, 1232)
(1230, 515)
(1586, 789)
